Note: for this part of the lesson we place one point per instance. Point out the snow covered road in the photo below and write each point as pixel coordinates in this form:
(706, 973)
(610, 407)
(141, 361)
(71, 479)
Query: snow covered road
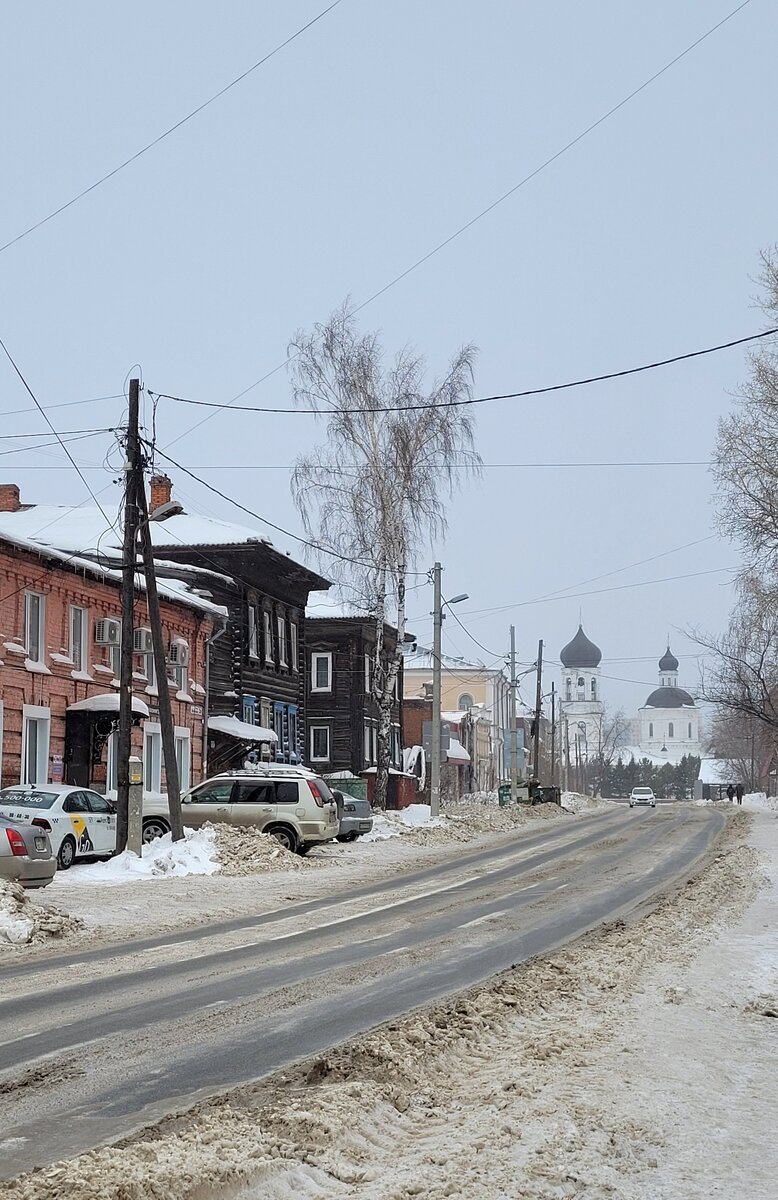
(151, 1027)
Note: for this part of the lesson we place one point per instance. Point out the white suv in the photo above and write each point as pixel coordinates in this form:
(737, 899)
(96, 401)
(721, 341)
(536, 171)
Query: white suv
(642, 795)
(293, 805)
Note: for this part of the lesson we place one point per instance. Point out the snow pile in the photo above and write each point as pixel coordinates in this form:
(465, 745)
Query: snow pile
(245, 851)
(22, 921)
(479, 798)
(162, 858)
(394, 823)
(575, 802)
(760, 801)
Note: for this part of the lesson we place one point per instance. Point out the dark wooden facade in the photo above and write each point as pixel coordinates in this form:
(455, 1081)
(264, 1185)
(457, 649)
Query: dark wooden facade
(345, 708)
(257, 665)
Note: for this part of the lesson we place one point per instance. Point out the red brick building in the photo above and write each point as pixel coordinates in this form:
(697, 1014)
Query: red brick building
(60, 629)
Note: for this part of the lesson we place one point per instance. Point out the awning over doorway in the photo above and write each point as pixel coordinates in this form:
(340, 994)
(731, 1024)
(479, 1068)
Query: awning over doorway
(107, 702)
(241, 730)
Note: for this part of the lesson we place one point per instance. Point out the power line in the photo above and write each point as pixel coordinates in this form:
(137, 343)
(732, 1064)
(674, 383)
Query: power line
(480, 645)
(7, 437)
(44, 414)
(495, 203)
(430, 466)
(527, 392)
(45, 446)
(161, 137)
(279, 528)
(13, 412)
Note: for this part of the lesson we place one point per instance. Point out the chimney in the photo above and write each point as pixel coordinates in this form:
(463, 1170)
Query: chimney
(161, 489)
(9, 498)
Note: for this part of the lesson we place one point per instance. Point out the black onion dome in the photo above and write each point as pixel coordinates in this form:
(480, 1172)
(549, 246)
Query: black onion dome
(669, 697)
(581, 652)
(668, 661)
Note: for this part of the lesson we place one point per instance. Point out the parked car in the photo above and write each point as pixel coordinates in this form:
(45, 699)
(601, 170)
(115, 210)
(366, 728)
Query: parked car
(290, 803)
(79, 823)
(25, 854)
(642, 795)
(355, 816)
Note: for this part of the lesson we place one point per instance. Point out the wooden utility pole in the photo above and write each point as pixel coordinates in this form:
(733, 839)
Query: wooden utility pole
(553, 735)
(538, 707)
(437, 625)
(160, 669)
(132, 476)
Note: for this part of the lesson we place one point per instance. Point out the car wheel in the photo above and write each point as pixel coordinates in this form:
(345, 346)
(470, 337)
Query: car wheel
(153, 828)
(285, 835)
(347, 837)
(66, 855)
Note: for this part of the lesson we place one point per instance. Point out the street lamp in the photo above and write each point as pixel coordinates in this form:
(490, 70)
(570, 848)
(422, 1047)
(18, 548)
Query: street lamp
(437, 614)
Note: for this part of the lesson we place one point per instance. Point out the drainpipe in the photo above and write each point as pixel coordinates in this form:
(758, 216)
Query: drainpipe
(217, 633)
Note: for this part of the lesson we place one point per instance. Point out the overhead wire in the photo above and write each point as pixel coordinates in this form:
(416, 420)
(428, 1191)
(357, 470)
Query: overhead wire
(471, 400)
(45, 416)
(172, 129)
(500, 199)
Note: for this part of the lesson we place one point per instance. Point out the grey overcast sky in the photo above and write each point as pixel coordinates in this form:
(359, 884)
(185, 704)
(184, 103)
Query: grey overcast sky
(335, 166)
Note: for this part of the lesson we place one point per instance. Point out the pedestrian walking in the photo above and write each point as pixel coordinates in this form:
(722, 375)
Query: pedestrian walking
(739, 793)
(730, 792)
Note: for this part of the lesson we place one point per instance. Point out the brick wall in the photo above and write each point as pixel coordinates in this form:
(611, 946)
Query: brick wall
(55, 683)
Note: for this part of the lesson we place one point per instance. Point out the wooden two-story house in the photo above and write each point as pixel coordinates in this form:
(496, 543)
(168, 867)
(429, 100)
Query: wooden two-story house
(256, 675)
(342, 716)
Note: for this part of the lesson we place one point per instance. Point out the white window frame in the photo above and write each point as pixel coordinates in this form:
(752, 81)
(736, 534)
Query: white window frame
(283, 649)
(32, 713)
(115, 652)
(265, 713)
(79, 618)
(368, 674)
(41, 631)
(312, 729)
(253, 632)
(183, 741)
(294, 652)
(267, 636)
(316, 654)
(371, 744)
(152, 756)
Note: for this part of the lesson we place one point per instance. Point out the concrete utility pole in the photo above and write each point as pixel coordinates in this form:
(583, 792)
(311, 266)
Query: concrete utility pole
(437, 617)
(132, 476)
(160, 668)
(512, 718)
(538, 707)
(553, 735)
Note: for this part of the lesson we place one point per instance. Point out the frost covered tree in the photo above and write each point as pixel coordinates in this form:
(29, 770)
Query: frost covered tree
(396, 448)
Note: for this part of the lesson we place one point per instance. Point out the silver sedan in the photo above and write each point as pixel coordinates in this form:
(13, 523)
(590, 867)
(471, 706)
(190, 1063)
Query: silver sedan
(25, 854)
(356, 817)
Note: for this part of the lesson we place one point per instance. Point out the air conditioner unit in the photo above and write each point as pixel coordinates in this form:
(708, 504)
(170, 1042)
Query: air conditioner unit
(178, 654)
(108, 633)
(142, 641)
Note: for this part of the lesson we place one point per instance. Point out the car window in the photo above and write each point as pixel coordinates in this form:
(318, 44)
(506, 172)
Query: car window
(27, 799)
(98, 803)
(324, 790)
(76, 802)
(287, 791)
(254, 793)
(212, 793)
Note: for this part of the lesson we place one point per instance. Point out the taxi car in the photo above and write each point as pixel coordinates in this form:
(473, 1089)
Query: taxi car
(80, 823)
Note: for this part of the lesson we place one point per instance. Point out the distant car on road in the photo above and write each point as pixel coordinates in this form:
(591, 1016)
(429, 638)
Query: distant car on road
(78, 822)
(642, 795)
(25, 854)
(290, 803)
(356, 816)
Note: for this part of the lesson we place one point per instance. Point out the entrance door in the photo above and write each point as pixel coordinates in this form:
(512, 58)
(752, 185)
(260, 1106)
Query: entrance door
(78, 749)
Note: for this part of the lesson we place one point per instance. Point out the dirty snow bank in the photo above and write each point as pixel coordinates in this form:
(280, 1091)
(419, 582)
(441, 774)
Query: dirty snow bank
(470, 817)
(759, 801)
(395, 822)
(22, 921)
(566, 1077)
(242, 850)
(575, 802)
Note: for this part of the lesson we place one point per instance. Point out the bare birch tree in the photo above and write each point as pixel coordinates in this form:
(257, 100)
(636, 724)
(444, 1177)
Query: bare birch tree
(375, 489)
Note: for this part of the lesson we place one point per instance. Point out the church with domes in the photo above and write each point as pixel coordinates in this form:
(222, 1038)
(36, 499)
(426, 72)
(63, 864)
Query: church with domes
(666, 728)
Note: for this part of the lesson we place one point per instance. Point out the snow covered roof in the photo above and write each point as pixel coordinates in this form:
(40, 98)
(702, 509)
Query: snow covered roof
(107, 702)
(241, 730)
(171, 589)
(714, 770)
(457, 754)
(625, 753)
(422, 660)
